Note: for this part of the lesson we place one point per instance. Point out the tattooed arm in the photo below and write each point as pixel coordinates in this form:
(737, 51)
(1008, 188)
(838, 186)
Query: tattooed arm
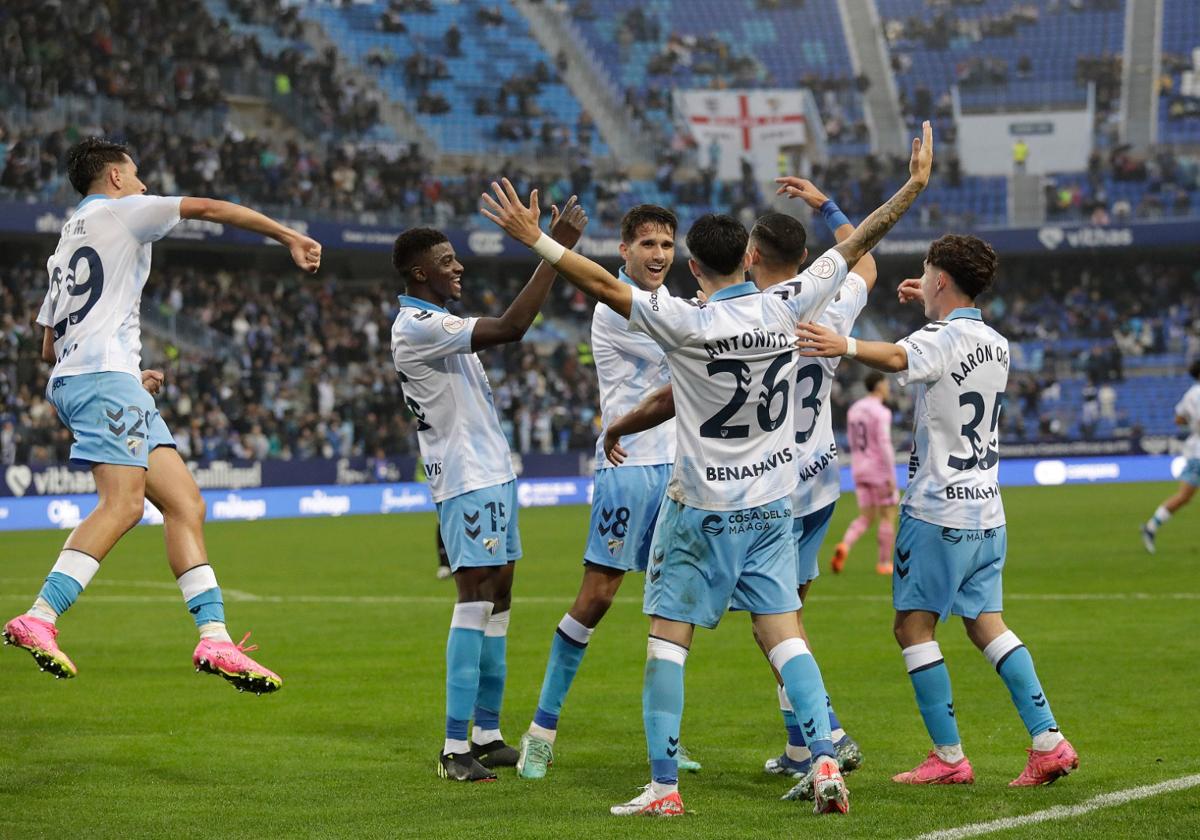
(873, 228)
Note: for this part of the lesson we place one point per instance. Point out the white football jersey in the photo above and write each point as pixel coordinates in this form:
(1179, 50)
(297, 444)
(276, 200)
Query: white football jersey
(629, 366)
(733, 365)
(1189, 409)
(960, 368)
(816, 449)
(97, 274)
(447, 390)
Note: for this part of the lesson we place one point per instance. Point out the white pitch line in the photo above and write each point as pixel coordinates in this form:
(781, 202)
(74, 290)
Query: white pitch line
(1062, 812)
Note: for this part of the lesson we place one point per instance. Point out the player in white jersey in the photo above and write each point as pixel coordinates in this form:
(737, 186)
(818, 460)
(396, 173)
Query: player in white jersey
(627, 497)
(724, 533)
(950, 549)
(469, 468)
(1187, 414)
(777, 249)
(92, 336)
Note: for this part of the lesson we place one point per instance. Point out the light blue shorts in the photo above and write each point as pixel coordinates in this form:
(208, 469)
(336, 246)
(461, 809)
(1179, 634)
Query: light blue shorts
(705, 562)
(625, 505)
(480, 527)
(111, 416)
(809, 532)
(948, 570)
(1191, 472)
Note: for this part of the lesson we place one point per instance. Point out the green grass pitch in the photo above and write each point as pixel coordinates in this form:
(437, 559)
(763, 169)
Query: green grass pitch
(349, 612)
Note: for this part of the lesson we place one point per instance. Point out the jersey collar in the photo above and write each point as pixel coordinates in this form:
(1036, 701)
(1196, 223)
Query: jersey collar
(87, 199)
(409, 300)
(736, 290)
(625, 278)
(966, 312)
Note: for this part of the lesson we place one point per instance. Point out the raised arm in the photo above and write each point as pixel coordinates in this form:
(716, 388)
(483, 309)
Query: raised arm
(837, 221)
(305, 251)
(817, 340)
(654, 410)
(521, 223)
(873, 228)
(516, 320)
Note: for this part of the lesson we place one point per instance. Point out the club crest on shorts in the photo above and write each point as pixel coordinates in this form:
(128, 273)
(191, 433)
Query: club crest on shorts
(491, 544)
(132, 444)
(614, 546)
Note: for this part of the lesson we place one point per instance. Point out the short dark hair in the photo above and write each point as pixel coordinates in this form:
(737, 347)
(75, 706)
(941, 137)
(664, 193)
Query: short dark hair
(1194, 370)
(872, 379)
(412, 244)
(968, 259)
(87, 159)
(780, 238)
(646, 214)
(718, 242)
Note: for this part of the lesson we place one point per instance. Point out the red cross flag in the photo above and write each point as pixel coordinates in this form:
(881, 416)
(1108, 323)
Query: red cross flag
(729, 125)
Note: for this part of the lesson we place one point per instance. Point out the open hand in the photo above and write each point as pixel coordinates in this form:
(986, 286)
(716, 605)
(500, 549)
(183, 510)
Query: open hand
(517, 220)
(567, 227)
(152, 380)
(306, 253)
(921, 163)
(819, 341)
(910, 291)
(801, 188)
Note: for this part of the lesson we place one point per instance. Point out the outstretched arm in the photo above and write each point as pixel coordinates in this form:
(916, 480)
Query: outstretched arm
(306, 252)
(817, 340)
(873, 228)
(521, 223)
(516, 320)
(837, 221)
(654, 410)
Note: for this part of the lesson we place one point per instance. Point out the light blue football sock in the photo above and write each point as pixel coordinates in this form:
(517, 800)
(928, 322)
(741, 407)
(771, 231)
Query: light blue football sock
(566, 653)
(662, 707)
(931, 684)
(806, 692)
(71, 573)
(493, 669)
(464, 648)
(1014, 664)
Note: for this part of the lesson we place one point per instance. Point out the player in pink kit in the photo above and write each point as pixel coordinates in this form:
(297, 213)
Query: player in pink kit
(873, 468)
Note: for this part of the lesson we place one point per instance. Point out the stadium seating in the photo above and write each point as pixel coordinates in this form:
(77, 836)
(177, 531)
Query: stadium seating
(1181, 38)
(945, 41)
(489, 55)
(789, 44)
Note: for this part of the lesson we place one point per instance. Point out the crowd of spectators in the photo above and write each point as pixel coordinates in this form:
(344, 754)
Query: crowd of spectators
(307, 371)
(1165, 185)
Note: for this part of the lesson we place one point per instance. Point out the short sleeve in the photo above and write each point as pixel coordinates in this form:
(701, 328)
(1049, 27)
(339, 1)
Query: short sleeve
(428, 336)
(668, 320)
(846, 306)
(148, 217)
(809, 294)
(1188, 406)
(45, 315)
(926, 355)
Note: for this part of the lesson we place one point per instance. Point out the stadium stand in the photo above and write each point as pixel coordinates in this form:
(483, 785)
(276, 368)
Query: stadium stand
(1179, 104)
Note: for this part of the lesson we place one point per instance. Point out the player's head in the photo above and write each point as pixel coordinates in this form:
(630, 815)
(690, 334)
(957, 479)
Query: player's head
(96, 165)
(957, 266)
(777, 246)
(718, 245)
(648, 244)
(877, 384)
(425, 260)
(1194, 370)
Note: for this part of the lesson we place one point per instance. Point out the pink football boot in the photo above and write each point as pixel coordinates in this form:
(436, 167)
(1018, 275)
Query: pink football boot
(231, 662)
(934, 771)
(39, 638)
(1044, 767)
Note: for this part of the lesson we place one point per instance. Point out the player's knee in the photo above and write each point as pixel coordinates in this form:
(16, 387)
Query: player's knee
(125, 510)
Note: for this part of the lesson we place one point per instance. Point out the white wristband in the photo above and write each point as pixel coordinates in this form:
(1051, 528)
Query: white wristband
(548, 249)
(851, 348)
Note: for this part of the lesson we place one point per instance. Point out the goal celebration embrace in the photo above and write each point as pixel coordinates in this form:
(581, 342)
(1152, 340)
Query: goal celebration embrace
(557, 418)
